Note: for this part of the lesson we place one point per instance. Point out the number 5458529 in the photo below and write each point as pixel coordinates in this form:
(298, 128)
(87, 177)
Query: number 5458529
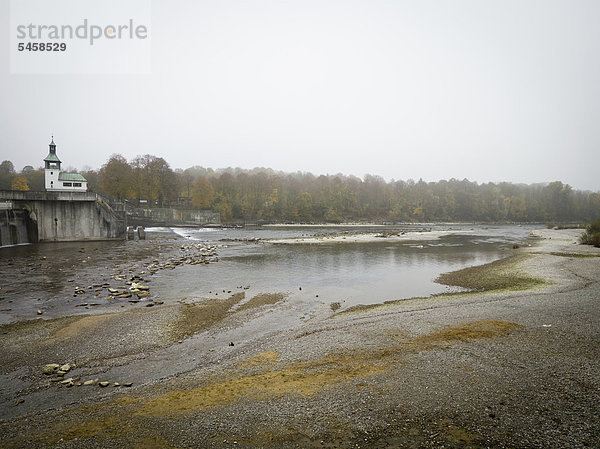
(42, 46)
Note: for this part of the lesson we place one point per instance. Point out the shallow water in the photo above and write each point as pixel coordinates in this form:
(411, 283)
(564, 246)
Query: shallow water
(349, 273)
(43, 276)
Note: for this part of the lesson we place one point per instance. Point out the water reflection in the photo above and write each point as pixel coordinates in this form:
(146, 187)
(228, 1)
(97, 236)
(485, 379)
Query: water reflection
(354, 273)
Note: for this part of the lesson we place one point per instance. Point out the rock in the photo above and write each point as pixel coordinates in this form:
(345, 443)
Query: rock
(66, 368)
(142, 294)
(127, 384)
(40, 312)
(89, 382)
(104, 384)
(18, 401)
(50, 368)
(231, 344)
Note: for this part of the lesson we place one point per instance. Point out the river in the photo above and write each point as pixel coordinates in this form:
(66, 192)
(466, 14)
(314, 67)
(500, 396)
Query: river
(43, 276)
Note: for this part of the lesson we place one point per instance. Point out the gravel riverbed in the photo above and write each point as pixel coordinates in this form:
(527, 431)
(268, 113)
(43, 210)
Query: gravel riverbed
(506, 368)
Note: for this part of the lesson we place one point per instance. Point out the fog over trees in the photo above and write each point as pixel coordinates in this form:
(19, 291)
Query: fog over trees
(265, 195)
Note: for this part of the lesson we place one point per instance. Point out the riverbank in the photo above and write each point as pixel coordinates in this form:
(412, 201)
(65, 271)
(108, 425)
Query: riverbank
(501, 368)
(372, 233)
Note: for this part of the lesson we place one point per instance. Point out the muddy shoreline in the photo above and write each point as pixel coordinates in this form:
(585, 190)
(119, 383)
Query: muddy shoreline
(508, 367)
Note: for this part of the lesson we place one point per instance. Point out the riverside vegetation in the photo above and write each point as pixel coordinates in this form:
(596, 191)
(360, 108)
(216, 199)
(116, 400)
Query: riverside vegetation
(265, 195)
(591, 236)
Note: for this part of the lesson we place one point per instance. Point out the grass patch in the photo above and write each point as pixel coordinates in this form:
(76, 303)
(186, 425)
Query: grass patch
(591, 236)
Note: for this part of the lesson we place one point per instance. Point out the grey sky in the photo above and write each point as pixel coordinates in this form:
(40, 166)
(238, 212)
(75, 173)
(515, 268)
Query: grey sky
(484, 90)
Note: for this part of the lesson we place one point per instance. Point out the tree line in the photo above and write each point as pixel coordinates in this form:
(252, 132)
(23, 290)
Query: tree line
(265, 195)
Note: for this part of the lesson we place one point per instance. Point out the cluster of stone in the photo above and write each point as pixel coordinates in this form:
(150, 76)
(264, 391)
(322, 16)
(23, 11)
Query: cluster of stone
(134, 287)
(59, 372)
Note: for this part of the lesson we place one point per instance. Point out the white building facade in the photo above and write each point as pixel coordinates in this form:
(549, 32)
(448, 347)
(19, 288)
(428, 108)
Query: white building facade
(57, 180)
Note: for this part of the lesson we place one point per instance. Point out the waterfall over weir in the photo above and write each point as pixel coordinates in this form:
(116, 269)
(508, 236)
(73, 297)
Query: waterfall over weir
(13, 227)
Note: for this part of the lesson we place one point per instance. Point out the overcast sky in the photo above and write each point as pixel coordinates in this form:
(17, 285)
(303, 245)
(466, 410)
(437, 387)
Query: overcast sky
(484, 90)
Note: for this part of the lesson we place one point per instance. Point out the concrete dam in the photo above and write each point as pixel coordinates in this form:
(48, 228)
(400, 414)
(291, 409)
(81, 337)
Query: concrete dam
(31, 217)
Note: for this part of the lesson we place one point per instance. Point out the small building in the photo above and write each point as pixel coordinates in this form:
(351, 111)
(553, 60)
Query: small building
(59, 181)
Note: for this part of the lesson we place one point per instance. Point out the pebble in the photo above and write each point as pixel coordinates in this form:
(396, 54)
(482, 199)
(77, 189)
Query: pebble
(50, 368)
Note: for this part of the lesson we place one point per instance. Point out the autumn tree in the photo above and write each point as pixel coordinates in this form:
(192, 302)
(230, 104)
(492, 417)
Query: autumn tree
(115, 178)
(35, 178)
(20, 183)
(202, 193)
(153, 179)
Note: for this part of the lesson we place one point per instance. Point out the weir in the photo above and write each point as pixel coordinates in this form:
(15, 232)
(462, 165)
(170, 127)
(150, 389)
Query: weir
(31, 217)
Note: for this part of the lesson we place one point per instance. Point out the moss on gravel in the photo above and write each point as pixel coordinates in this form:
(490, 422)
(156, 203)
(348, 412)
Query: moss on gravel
(503, 274)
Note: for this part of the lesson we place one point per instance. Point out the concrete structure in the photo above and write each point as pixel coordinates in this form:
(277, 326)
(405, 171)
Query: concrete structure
(29, 217)
(58, 181)
(173, 217)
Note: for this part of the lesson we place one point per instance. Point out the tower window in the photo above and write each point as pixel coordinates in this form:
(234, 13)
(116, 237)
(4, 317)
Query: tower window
(51, 172)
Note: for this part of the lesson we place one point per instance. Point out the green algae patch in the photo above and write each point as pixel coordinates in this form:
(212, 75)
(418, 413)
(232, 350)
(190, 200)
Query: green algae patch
(575, 255)
(135, 421)
(303, 379)
(261, 359)
(200, 316)
(500, 275)
(261, 300)
(469, 331)
(308, 378)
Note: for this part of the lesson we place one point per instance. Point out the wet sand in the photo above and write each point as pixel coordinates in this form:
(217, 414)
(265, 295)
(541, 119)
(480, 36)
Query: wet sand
(512, 365)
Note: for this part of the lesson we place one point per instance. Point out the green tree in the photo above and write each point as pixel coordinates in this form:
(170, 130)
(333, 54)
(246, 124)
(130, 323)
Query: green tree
(7, 173)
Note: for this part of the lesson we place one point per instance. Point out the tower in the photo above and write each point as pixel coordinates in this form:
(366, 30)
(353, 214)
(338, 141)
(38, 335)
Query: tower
(52, 168)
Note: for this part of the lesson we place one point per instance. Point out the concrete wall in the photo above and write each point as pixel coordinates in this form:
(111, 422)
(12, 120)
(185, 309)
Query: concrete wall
(173, 216)
(67, 216)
